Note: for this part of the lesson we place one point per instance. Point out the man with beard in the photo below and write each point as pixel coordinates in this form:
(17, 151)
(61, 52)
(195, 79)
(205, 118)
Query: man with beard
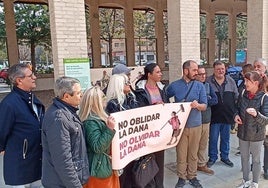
(187, 89)
(222, 116)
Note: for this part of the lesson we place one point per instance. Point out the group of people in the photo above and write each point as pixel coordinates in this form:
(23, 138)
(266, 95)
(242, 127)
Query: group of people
(66, 145)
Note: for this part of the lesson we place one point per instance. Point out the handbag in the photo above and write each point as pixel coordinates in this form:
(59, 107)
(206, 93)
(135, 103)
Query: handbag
(144, 170)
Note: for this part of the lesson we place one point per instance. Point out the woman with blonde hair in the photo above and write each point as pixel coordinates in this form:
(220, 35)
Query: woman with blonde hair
(99, 132)
(119, 94)
(120, 97)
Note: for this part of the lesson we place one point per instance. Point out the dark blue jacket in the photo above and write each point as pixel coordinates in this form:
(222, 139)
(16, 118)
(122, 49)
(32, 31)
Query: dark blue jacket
(212, 100)
(20, 137)
(65, 162)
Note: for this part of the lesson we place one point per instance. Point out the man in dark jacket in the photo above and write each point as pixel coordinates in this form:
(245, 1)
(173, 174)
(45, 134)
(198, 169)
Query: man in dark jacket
(65, 162)
(20, 125)
(222, 114)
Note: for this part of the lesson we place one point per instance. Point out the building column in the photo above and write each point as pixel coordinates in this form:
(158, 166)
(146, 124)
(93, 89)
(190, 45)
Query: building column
(129, 35)
(265, 30)
(68, 32)
(257, 42)
(159, 33)
(211, 37)
(12, 43)
(95, 33)
(184, 34)
(232, 37)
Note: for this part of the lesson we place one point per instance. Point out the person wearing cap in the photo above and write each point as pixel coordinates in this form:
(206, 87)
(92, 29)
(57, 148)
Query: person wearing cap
(122, 69)
(119, 69)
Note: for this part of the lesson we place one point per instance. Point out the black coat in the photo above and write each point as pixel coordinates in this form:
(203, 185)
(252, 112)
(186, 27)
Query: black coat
(129, 103)
(253, 128)
(143, 96)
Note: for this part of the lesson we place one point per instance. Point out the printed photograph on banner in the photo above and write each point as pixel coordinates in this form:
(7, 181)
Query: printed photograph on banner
(146, 130)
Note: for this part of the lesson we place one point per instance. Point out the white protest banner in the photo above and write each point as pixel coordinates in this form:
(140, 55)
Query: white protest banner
(146, 130)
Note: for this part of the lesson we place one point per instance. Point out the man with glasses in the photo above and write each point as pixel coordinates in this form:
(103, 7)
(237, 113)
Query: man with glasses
(65, 162)
(20, 130)
(206, 117)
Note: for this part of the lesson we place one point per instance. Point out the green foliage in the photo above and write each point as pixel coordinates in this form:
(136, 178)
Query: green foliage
(144, 24)
(3, 50)
(221, 27)
(33, 23)
(203, 26)
(241, 33)
(33, 28)
(2, 21)
(111, 23)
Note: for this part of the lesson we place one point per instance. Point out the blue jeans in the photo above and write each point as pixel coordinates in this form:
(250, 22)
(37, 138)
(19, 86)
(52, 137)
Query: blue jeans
(216, 130)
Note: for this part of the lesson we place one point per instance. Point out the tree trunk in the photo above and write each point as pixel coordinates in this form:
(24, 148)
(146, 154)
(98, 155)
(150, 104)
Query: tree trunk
(110, 52)
(33, 56)
(219, 49)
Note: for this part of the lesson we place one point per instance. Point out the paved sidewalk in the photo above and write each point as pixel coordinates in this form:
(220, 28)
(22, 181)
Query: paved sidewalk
(225, 177)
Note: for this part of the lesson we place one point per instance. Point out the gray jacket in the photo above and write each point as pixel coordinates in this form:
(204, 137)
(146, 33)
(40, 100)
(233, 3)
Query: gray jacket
(212, 100)
(65, 162)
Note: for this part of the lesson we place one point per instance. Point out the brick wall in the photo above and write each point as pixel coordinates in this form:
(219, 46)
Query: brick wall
(184, 34)
(257, 29)
(68, 30)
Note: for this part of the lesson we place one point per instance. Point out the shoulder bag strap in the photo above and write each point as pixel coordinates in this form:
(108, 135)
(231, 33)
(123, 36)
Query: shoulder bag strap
(184, 99)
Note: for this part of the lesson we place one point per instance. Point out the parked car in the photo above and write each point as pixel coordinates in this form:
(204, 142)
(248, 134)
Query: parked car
(3, 75)
(119, 62)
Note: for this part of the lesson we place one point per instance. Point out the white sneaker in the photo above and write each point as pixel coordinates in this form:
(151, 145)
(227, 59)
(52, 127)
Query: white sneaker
(253, 185)
(244, 184)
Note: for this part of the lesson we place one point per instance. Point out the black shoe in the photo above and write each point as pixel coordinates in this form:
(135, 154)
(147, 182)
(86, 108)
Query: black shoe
(195, 183)
(181, 182)
(228, 162)
(210, 163)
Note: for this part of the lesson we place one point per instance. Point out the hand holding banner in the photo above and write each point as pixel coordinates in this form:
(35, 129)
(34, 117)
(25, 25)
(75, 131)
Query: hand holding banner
(143, 130)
